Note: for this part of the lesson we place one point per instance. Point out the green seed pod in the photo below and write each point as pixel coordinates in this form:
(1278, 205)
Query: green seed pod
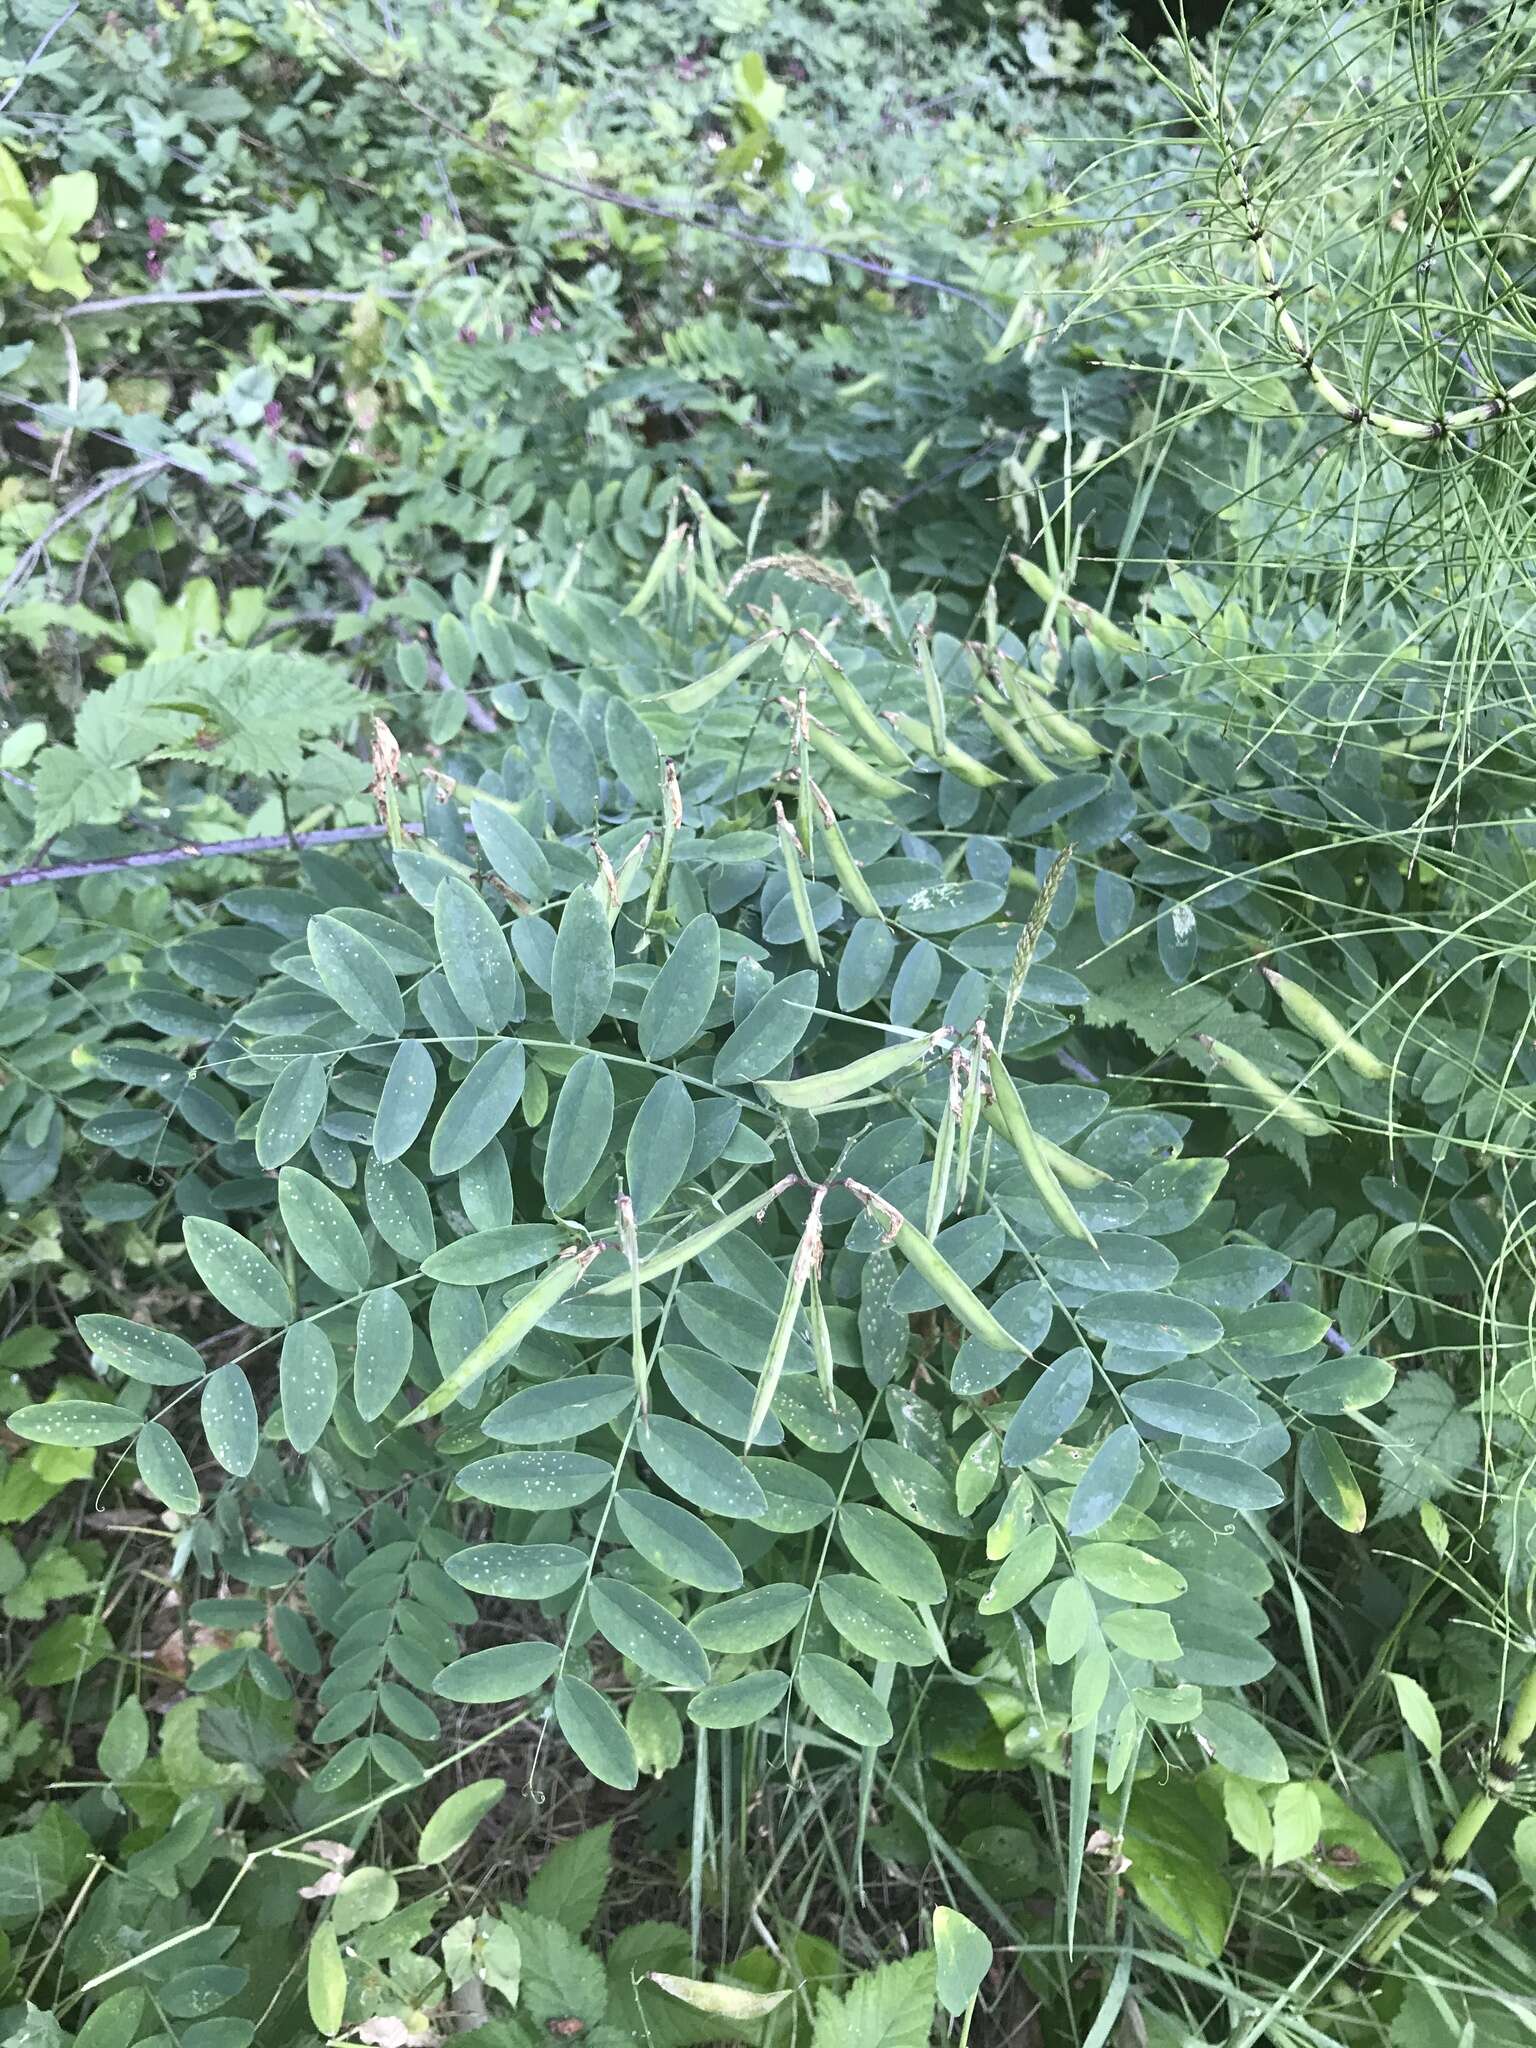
(1310, 1015)
(960, 764)
(855, 710)
(850, 876)
(801, 1273)
(1278, 1101)
(821, 1342)
(689, 698)
(639, 1362)
(824, 1091)
(504, 1336)
(933, 691)
(1032, 1154)
(941, 1276)
(861, 773)
(1015, 745)
(659, 1264)
(660, 569)
(799, 895)
(943, 1162)
(1101, 630)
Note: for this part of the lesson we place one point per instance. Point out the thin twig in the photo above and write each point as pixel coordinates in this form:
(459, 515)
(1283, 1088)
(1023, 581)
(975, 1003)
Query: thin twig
(114, 480)
(37, 51)
(222, 295)
(212, 849)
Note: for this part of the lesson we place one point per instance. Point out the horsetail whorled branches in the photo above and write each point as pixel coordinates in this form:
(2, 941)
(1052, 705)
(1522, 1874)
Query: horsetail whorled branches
(1222, 121)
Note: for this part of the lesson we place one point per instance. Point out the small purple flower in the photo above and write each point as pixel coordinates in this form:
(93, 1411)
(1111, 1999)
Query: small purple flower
(542, 317)
(157, 230)
(272, 412)
(426, 226)
(154, 268)
(468, 336)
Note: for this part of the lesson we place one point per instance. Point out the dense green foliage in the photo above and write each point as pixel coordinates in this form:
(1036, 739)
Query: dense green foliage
(767, 1072)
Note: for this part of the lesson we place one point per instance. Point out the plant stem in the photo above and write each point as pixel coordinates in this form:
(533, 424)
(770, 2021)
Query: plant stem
(1471, 1821)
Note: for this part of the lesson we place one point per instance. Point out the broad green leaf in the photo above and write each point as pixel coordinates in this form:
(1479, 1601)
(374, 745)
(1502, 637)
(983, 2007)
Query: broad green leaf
(642, 1630)
(913, 1489)
(962, 1956)
(679, 1000)
(699, 1469)
(888, 2007)
(893, 1554)
(164, 1470)
(1070, 1624)
(451, 1826)
(535, 1479)
(142, 1353)
(739, 1702)
(770, 1031)
(579, 1132)
(559, 1410)
(356, 976)
(517, 1571)
(1126, 1573)
(385, 1339)
(511, 850)
(1145, 1632)
(595, 1733)
(326, 1980)
(487, 1677)
(1240, 1742)
(677, 1542)
(307, 1380)
(400, 1209)
(1026, 1567)
(581, 979)
(752, 1620)
(238, 1276)
(492, 1255)
(865, 963)
(1106, 1480)
(479, 1106)
(322, 1231)
(124, 1741)
(473, 949)
(1055, 1401)
(836, 1694)
(874, 1621)
(1342, 1385)
(294, 1106)
(74, 1423)
(1330, 1479)
(1417, 1710)
(729, 2002)
(1225, 1481)
(229, 1419)
(410, 1088)
(660, 1146)
(1153, 1326)
(1298, 1821)
(1205, 1413)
